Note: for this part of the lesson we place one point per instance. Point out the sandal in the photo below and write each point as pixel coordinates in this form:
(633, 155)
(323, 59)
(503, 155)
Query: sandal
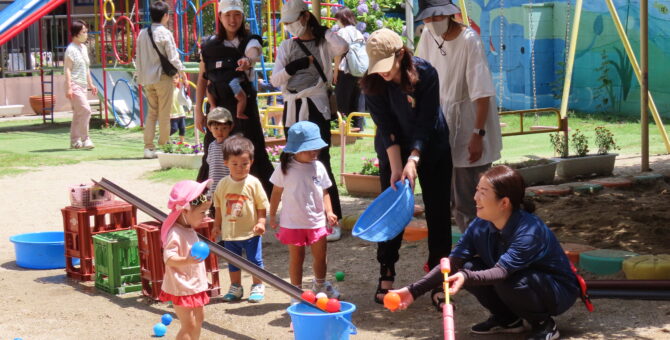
(381, 290)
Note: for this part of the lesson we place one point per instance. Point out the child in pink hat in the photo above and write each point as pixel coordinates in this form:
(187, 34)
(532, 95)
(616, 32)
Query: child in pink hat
(185, 279)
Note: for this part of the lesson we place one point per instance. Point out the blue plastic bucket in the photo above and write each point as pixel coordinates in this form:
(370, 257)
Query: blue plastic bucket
(310, 323)
(387, 215)
(44, 250)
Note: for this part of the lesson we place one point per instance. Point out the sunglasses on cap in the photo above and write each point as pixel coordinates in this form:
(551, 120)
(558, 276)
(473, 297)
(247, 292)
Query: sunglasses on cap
(199, 200)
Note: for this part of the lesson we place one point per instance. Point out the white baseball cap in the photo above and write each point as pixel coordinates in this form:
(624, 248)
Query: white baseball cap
(226, 6)
(291, 10)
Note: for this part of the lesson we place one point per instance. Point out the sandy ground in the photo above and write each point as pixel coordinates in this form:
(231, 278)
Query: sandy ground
(44, 304)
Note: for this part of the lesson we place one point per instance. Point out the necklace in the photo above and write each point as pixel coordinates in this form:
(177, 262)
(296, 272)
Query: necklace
(439, 45)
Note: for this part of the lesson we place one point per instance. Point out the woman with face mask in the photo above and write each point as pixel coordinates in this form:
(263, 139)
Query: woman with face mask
(77, 82)
(303, 69)
(467, 98)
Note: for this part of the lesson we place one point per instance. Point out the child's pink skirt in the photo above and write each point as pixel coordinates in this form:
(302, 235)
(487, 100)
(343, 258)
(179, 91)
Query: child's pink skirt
(302, 237)
(190, 301)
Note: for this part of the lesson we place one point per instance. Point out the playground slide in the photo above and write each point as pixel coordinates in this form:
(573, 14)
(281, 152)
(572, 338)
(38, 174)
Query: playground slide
(20, 14)
(229, 256)
(122, 96)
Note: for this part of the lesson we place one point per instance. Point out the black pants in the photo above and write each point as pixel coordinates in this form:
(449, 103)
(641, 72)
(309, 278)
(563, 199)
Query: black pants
(528, 294)
(251, 129)
(316, 117)
(434, 172)
(178, 124)
(348, 93)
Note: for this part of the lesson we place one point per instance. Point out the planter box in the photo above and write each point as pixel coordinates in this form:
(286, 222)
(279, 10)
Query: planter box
(586, 166)
(176, 160)
(272, 141)
(362, 185)
(539, 174)
(335, 140)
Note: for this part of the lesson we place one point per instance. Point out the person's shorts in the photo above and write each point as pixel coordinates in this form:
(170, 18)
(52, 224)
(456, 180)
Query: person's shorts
(301, 237)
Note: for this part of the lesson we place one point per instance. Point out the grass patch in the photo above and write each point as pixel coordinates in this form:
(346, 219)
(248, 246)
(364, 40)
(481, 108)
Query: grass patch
(171, 175)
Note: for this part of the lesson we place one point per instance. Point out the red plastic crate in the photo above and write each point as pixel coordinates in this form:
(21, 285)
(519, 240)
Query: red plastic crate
(152, 267)
(79, 226)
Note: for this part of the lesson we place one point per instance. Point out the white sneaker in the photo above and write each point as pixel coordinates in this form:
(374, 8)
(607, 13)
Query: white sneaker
(336, 235)
(234, 293)
(88, 144)
(76, 145)
(327, 288)
(148, 153)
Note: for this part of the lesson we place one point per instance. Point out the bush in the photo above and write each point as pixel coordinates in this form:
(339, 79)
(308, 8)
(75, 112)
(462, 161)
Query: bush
(579, 143)
(605, 140)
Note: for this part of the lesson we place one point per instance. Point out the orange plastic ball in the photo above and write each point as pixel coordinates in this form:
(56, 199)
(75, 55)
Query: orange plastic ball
(333, 306)
(392, 301)
(322, 303)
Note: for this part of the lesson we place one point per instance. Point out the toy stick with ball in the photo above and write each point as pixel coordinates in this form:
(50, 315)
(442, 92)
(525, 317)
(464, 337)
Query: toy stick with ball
(447, 309)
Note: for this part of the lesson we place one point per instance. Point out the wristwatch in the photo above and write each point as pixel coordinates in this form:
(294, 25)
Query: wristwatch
(414, 158)
(480, 132)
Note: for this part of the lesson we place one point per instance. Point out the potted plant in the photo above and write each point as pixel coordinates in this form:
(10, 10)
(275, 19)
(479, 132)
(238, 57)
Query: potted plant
(273, 138)
(38, 105)
(536, 171)
(584, 164)
(273, 153)
(180, 155)
(366, 182)
(336, 138)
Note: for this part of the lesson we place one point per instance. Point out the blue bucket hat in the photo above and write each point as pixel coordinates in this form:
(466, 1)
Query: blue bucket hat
(304, 136)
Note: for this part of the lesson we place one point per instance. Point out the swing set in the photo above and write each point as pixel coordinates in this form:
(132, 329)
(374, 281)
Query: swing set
(569, 58)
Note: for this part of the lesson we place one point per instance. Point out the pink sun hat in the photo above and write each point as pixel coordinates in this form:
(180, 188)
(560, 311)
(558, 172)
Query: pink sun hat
(181, 195)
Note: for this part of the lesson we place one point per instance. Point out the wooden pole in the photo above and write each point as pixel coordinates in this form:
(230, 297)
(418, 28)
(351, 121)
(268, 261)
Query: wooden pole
(638, 75)
(567, 82)
(316, 9)
(644, 84)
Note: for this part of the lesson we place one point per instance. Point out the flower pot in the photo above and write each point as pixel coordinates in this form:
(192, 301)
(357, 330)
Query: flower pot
(539, 174)
(178, 160)
(272, 141)
(586, 166)
(276, 164)
(38, 105)
(362, 185)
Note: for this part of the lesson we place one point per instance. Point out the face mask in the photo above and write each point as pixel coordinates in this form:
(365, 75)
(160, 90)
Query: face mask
(296, 28)
(438, 27)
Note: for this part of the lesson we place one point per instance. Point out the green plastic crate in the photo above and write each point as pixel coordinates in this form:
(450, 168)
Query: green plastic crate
(117, 263)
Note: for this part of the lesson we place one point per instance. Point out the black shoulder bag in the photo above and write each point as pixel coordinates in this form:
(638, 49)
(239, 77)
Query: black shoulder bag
(166, 65)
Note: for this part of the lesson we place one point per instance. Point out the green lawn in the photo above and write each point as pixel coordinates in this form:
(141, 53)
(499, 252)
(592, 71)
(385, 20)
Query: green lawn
(27, 145)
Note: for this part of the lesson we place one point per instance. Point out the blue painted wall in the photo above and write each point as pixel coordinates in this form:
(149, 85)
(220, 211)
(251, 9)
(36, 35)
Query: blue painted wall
(603, 80)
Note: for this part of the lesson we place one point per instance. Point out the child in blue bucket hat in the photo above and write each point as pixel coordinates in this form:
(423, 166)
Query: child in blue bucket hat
(301, 183)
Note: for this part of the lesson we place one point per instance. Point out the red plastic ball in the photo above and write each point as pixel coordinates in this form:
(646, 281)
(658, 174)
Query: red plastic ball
(333, 306)
(309, 296)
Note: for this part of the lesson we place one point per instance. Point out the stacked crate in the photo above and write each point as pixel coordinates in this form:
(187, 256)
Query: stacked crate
(79, 226)
(152, 267)
(117, 267)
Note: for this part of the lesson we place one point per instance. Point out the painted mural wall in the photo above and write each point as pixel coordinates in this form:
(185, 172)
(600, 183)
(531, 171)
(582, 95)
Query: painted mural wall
(526, 42)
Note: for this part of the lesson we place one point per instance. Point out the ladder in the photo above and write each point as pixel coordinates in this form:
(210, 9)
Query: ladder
(46, 81)
(254, 20)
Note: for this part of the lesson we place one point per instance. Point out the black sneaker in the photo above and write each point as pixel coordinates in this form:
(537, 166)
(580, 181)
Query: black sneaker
(493, 326)
(545, 330)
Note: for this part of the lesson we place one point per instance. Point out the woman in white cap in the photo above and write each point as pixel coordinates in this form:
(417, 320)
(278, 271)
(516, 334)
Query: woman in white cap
(467, 98)
(412, 140)
(303, 69)
(231, 54)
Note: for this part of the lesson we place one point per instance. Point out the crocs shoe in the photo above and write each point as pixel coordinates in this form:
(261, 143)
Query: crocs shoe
(327, 288)
(257, 293)
(335, 235)
(234, 293)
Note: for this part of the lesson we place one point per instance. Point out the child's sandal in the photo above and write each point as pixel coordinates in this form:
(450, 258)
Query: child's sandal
(381, 290)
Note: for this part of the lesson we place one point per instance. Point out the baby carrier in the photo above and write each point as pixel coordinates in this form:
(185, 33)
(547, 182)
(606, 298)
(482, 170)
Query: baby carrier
(220, 64)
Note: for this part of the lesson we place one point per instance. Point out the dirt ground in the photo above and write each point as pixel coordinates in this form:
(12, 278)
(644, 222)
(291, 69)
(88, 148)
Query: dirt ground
(44, 304)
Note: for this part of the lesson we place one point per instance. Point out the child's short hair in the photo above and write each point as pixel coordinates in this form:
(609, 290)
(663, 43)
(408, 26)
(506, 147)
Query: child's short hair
(236, 146)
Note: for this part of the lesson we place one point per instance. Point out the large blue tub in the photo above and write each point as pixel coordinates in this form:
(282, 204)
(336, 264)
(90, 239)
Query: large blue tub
(45, 250)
